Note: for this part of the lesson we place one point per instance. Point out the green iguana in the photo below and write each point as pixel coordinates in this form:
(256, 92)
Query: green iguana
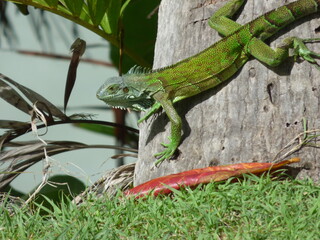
(140, 90)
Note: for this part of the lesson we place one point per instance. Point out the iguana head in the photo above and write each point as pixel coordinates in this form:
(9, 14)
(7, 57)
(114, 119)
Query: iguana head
(117, 93)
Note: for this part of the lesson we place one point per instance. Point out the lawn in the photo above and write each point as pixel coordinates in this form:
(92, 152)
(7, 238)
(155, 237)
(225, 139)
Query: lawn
(253, 208)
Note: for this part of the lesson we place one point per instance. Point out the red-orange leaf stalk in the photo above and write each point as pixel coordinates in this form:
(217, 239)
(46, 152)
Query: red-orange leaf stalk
(192, 178)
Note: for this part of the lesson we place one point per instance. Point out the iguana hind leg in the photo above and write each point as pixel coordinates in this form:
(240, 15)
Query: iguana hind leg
(221, 22)
(273, 57)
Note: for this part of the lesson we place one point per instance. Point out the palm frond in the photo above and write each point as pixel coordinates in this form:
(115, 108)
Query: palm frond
(25, 154)
(43, 114)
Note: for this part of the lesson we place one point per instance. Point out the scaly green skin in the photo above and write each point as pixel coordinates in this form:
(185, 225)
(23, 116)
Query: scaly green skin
(163, 87)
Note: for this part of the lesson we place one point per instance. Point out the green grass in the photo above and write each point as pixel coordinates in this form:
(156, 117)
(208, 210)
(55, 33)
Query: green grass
(255, 208)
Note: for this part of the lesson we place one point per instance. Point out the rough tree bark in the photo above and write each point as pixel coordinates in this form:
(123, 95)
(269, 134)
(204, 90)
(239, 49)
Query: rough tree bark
(249, 118)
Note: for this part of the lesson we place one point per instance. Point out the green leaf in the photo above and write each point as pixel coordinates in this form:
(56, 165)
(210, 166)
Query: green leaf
(22, 8)
(138, 48)
(97, 128)
(140, 29)
(75, 6)
(97, 9)
(131, 138)
(52, 3)
(109, 22)
(124, 6)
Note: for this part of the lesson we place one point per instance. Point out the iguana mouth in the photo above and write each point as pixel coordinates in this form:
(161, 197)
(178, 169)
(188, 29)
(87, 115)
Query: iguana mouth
(127, 103)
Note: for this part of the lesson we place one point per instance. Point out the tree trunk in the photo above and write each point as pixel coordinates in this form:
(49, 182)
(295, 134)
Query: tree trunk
(249, 118)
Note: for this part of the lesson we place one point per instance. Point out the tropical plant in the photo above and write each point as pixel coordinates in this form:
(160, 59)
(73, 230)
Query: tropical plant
(125, 25)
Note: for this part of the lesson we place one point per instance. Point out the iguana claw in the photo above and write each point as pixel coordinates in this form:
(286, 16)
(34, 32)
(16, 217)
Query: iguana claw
(167, 153)
(301, 50)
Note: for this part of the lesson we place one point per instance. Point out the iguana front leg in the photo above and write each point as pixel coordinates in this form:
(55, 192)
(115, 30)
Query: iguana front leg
(220, 20)
(155, 107)
(175, 121)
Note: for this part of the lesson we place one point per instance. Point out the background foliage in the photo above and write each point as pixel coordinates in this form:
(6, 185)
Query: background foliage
(130, 27)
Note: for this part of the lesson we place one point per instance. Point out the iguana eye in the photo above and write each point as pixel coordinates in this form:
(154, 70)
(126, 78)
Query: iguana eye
(113, 88)
(125, 90)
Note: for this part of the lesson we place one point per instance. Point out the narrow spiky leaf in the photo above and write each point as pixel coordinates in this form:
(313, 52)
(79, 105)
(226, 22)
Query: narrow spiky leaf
(10, 124)
(22, 8)
(34, 97)
(11, 96)
(74, 6)
(97, 9)
(110, 20)
(77, 48)
(25, 154)
(52, 3)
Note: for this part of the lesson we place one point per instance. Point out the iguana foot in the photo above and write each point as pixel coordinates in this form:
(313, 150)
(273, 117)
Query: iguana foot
(301, 50)
(167, 153)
